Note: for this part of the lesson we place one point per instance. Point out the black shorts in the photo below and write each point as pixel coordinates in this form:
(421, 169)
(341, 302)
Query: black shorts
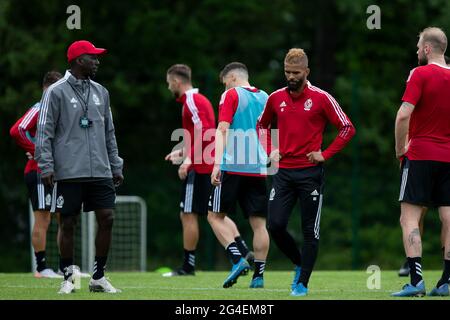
(425, 183)
(290, 185)
(195, 193)
(249, 191)
(69, 196)
(40, 195)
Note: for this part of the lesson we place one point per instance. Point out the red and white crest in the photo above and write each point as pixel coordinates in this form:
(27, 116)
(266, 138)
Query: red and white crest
(308, 104)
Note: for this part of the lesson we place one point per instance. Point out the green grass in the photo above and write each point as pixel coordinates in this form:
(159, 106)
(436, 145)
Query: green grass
(338, 285)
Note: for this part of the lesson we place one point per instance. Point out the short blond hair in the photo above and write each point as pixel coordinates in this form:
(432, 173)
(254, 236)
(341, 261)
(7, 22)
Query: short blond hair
(296, 56)
(436, 38)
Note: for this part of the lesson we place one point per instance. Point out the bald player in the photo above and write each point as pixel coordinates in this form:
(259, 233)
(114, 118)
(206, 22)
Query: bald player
(424, 117)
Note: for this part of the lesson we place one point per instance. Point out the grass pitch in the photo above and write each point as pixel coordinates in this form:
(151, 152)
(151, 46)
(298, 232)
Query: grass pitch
(324, 285)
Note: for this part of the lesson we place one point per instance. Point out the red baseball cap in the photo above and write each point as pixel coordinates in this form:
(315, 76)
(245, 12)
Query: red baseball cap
(78, 48)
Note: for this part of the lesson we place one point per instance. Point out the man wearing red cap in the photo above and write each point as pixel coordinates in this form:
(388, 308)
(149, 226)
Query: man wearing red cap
(76, 151)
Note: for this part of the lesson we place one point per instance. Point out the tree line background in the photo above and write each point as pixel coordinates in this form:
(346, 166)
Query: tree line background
(365, 70)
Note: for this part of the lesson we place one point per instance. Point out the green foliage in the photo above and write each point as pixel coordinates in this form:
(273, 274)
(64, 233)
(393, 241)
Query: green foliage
(364, 69)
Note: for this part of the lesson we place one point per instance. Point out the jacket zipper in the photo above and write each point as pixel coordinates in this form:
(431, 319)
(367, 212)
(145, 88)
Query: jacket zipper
(89, 145)
(89, 148)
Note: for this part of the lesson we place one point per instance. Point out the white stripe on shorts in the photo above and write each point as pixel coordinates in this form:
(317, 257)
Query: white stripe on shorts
(53, 207)
(41, 195)
(403, 185)
(189, 195)
(217, 193)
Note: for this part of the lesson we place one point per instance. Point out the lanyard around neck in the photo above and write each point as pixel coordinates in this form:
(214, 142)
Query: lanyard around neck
(80, 96)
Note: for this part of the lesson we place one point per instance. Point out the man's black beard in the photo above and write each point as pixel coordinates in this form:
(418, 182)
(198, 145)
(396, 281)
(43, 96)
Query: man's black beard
(295, 85)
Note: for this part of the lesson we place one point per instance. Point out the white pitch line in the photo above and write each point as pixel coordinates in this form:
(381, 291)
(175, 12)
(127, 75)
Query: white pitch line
(209, 289)
(255, 291)
(202, 289)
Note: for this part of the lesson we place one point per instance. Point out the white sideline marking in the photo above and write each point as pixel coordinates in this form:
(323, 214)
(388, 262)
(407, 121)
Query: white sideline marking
(253, 290)
(203, 289)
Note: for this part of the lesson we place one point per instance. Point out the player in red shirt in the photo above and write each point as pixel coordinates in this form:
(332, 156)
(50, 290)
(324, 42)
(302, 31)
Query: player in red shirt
(23, 132)
(424, 117)
(404, 269)
(196, 158)
(239, 174)
(301, 111)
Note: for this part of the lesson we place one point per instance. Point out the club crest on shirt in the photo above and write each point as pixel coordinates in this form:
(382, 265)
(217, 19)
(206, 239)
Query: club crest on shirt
(308, 104)
(282, 106)
(96, 99)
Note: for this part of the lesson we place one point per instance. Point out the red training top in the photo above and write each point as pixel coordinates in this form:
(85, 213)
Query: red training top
(23, 132)
(228, 105)
(301, 122)
(428, 89)
(198, 117)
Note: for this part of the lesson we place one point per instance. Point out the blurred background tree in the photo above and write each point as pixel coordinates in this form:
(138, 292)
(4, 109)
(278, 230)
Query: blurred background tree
(365, 70)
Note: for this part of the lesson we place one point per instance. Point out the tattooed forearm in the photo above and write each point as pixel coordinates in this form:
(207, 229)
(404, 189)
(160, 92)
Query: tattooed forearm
(448, 255)
(414, 237)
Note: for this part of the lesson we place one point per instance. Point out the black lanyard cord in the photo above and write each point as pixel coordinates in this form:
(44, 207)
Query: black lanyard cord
(80, 96)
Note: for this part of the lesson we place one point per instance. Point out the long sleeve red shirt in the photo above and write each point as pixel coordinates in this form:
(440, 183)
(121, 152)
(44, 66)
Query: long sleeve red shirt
(198, 120)
(301, 122)
(23, 132)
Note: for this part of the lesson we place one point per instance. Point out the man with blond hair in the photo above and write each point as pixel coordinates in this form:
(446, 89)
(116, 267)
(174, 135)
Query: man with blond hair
(301, 111)
(424, 117)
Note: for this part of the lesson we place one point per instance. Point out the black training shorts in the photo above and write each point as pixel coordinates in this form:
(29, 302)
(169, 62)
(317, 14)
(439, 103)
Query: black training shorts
(195, 193)
(249, 191)
(40, 195)
(425, 183)
(70, 196)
